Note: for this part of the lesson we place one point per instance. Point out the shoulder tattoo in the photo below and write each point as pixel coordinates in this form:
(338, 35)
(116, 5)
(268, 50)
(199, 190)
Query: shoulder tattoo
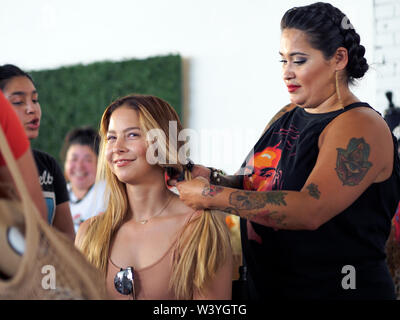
(352, 163)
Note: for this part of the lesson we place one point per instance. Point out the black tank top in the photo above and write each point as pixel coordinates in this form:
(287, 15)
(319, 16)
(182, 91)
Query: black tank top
(314, 264)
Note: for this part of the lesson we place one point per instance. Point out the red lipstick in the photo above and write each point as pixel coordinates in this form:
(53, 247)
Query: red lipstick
(292, 88)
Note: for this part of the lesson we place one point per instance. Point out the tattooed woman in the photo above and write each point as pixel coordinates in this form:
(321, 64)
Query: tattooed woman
(322, 183)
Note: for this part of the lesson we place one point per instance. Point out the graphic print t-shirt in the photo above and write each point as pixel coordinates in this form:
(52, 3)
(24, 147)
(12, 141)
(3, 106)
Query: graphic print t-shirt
(52, 182)
(303, 264)
(93, 203)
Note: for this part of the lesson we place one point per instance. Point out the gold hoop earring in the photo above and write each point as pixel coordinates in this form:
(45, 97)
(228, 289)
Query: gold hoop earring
(337, 89)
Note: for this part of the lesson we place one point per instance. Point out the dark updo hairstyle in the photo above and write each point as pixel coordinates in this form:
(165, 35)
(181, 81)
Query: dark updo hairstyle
(85, 136)
(327, 29)
(9, 71)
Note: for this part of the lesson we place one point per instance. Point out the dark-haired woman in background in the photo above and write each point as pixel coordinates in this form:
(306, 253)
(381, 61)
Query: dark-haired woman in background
(20, 147)
(87, 197)
(322, 183)
(19, 89)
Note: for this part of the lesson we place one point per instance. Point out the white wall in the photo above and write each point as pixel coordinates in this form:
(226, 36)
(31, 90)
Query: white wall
(232, 71)
(387, 51)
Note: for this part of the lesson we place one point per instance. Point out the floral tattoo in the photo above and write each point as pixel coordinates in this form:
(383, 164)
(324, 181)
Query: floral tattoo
(352, 163)
(245, 200)
(256, 200)
(211, 190)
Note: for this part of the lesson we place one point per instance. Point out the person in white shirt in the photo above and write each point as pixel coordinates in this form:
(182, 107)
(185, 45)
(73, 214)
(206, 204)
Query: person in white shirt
(87, 197)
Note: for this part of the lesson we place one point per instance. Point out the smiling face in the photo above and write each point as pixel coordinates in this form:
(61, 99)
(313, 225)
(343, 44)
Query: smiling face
(22, 94)
(126, 147)
(80, 166)
(309, 76)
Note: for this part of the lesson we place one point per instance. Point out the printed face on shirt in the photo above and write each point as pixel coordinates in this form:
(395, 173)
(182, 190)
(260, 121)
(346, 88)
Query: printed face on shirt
(126, 148)
(264, 166)
(309, 77)
(80, 167)
(22, 94)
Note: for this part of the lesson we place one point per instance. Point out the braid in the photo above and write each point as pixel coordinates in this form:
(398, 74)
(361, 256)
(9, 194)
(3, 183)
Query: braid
(328, 29)
(357, 65)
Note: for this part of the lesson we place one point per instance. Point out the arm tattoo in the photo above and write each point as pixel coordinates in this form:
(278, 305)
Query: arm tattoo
(313, 191)
(256, 200)
(352, 163)
(211, 190)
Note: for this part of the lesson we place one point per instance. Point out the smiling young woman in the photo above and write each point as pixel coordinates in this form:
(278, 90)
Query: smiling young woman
(148, 243)
(126, 149)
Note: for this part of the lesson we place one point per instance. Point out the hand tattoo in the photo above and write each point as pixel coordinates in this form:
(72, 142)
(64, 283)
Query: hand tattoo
(211, 190)
(313, 191)
(352, 164)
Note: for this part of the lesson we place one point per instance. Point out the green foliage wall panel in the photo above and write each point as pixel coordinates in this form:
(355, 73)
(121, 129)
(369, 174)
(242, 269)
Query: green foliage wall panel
(77, 95)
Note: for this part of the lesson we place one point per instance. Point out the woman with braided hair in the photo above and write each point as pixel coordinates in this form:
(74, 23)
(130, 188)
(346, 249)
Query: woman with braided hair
(148, 243)
(322, 183)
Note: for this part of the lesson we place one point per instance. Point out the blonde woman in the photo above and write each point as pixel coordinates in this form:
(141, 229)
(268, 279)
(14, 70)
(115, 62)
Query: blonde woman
(148, 244)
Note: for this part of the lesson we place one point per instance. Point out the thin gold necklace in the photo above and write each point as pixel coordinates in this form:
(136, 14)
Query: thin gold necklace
(144, 221)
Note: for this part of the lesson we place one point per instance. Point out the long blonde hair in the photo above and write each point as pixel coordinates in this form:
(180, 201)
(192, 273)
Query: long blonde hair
(205, 242)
